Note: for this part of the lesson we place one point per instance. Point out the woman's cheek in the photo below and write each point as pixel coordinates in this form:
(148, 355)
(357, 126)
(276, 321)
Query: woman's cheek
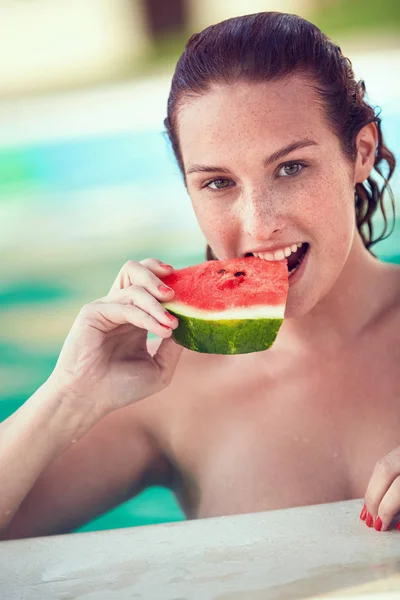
(321, 202)
(332, 220)
(213, 220)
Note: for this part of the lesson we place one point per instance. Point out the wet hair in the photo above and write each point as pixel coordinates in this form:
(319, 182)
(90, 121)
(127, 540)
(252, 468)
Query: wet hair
(268, 46)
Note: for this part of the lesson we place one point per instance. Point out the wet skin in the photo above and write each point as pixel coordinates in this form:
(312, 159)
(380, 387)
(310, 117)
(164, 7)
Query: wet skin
(302, 423)
(306, 421)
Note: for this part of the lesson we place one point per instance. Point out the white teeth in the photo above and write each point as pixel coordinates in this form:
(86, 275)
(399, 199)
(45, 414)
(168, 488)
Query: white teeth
(279, 254)
(264, 255)
(267, 256)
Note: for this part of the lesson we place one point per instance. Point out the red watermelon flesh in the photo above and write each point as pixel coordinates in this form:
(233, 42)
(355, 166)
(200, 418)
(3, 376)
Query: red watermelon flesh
(240, 282)
(229, 306)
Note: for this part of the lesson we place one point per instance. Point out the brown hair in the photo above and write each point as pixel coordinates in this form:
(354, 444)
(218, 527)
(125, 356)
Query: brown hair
(267, 46)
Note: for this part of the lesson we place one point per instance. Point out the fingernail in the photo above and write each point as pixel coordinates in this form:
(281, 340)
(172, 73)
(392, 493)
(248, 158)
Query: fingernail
(164, 289)
(369, 520)
(378, 524)
(363, 513)
(398, 526)
(171, 317)
(164, 266)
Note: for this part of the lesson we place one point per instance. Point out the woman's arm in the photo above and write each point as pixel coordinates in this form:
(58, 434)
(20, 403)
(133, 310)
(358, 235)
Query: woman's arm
(44, 427)
(77, 446)
(52, 484)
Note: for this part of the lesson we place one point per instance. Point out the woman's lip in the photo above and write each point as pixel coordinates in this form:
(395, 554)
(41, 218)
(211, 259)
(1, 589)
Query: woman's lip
(273, 249)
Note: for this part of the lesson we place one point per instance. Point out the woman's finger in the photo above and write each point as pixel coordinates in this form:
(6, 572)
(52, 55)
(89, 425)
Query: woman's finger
(155, 289)
(166, 357)
(144, 300)
(385, 472)
(141, 273)
(106, 317)
(153, 264)
(389, 506)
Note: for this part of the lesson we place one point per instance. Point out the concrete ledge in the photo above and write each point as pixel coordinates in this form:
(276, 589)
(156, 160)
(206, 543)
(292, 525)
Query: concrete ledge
(307, 552)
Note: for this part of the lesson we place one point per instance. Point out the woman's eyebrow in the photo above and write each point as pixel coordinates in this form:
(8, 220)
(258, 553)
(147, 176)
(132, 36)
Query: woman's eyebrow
(205, 169)
(288, 149)
(269, 160)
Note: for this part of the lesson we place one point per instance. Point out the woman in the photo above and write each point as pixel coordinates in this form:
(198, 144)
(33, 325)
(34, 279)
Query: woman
(277, 146)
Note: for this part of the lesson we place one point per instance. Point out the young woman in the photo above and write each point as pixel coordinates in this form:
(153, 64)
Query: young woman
(279, 151)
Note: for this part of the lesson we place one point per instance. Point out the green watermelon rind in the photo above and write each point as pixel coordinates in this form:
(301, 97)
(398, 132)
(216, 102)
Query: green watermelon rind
(225, 336)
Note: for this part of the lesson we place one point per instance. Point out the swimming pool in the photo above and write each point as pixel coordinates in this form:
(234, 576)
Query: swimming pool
(73, 209)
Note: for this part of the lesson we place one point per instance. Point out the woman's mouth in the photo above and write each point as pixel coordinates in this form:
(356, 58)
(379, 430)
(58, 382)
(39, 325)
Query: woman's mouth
(294, 259)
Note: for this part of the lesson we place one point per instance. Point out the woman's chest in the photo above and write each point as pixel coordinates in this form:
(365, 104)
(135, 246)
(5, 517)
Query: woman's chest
(308, 435)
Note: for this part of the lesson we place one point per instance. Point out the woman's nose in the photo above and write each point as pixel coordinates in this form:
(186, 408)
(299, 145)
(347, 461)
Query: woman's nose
(258, 217)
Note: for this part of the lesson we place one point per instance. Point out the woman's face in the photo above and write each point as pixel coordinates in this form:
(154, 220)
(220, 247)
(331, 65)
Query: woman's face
(264, 173)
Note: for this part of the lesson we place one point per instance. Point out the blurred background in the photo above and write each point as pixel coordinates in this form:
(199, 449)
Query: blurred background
(87, 180)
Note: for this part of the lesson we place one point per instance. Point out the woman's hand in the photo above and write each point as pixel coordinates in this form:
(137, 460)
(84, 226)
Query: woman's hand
(382, 499)
(104, 362)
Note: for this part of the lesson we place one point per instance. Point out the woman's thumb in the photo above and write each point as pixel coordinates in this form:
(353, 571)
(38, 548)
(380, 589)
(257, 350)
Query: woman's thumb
(167, 357)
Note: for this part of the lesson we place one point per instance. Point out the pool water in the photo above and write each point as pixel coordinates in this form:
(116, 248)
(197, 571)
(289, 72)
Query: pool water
(72, 212)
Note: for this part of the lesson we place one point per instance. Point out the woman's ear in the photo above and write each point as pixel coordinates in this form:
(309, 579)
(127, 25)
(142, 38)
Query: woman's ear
(366, 142)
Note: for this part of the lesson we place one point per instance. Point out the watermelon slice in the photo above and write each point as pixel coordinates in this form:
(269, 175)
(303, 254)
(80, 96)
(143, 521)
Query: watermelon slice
(229, 306)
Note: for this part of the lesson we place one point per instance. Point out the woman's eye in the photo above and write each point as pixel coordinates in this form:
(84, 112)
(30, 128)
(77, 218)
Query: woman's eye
(290, 169)
(218, 184)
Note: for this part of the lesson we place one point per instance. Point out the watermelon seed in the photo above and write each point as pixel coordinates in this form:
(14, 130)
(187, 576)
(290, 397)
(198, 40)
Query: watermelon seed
(221, 271)
(239, 273)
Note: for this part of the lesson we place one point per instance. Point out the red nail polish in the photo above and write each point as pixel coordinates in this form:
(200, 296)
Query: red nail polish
(164, 266)
(398, 526)
(164, 289)
(166, 327)
(378, 524)
(170, 317)
(363, 513)
(369, 520)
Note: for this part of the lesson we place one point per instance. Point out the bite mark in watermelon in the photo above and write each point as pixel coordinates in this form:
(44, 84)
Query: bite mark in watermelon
(231, 306)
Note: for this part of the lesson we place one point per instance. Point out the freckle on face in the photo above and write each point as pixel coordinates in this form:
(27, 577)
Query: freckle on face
(236, 126)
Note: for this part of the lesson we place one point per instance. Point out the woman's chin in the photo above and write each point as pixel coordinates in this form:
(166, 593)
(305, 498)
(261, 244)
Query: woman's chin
(306, 294)
(302, 298)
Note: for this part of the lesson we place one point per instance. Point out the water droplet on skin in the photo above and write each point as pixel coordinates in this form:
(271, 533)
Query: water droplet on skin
(73, 441)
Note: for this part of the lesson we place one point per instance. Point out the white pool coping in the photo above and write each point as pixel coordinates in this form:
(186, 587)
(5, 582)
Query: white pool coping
(321, 551)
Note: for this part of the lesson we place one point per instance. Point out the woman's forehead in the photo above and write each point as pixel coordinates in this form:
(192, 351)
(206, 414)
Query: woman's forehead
(275, 112)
